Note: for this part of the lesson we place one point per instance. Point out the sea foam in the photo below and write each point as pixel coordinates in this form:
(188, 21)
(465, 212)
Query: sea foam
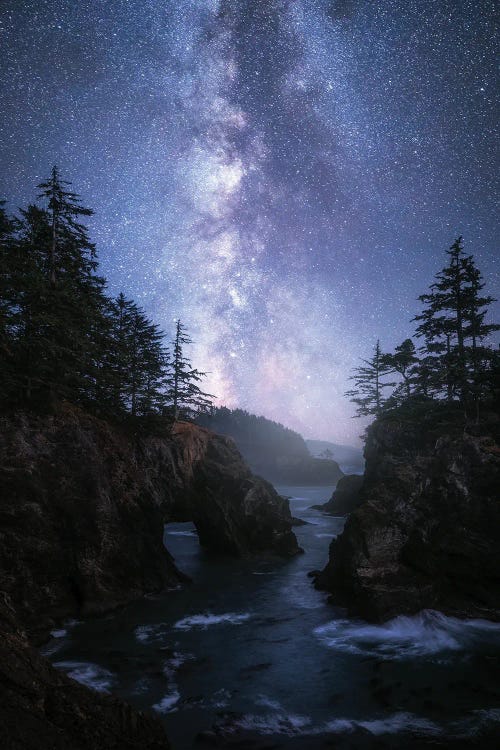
(146, 633)
(292, 725)
(170, 700)
(91, 675)
(208, 619)
(425, 634)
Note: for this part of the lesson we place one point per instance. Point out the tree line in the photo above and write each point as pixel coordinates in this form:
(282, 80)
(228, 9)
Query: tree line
(63, 338)
(258, 436)
(454, 362)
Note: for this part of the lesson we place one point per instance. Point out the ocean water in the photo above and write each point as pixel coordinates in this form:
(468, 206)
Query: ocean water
(251, 653)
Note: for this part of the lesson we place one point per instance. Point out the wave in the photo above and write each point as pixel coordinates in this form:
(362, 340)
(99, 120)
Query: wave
(91, 675)
(204, 621)
(58, 638)
(398, 723)
(175, 662)
(425, 634)
(279, 722)
(168, 702)
(263, 700)
(60, 633)
(147, 633)
(282, 723)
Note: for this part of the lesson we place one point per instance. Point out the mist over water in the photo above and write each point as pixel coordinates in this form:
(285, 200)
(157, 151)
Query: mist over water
(252, 648)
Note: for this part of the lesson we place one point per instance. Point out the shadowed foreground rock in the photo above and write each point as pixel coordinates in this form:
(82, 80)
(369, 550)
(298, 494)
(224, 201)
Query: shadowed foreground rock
(346, 496)
(41, 708)
(83, 506)
(82, 510)
(427, 534)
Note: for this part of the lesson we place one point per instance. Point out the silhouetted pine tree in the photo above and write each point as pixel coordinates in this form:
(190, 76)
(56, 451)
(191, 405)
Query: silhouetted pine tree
(369, 385)
(10, 276)
(452, 324)
(480, 359)
(68, 238)
(65, 306)
(404, 363)
(24, 295)
(62, 337)
(139, 361)
(184, 395)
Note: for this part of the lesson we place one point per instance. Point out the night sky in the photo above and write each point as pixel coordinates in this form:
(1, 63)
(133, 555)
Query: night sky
(285, 177)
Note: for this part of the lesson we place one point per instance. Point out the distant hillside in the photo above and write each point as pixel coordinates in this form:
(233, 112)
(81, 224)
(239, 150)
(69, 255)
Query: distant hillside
(350, 459)
(272, 450)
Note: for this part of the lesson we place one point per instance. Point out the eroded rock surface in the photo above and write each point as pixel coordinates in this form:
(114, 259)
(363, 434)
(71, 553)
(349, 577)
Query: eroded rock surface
(233, 510)
(345, 498)
(427, 534)
(83, 506)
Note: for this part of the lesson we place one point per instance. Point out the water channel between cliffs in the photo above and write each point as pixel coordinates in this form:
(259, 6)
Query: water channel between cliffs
(253, 648)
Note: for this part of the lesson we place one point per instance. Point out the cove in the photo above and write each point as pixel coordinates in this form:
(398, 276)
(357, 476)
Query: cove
(251, 652)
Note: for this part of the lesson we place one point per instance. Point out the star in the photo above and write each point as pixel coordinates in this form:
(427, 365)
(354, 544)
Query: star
(285, 178)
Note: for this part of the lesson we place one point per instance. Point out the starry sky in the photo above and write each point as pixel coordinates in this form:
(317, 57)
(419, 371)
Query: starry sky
(283, 175)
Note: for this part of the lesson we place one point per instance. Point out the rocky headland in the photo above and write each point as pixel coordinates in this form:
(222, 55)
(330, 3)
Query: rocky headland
(427, 532)
(82, 512)
(273, 451)
(84, 505)
(345, 498)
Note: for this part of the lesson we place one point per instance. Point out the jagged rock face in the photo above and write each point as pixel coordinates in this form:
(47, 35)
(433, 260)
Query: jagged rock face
(42, 708)
(346, 496)
(427, 534)
(80, 527)
(83, 506)
(233, 510)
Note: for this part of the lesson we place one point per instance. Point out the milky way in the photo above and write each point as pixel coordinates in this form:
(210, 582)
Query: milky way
(283, 176)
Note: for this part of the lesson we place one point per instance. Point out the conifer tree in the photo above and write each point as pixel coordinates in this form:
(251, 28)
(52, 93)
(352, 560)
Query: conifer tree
(63, 338)
(9, 308)
(59, 302)
(139, 361)
(452, 324)
(185, 396)
(7, 271)
(24, 296)
(69, 239)
(480, 359)
(369, 384)
(404, 362)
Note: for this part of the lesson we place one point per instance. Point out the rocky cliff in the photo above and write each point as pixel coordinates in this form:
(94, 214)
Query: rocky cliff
(83, 506)
(345, 498)
(427, 534)
(82, 510)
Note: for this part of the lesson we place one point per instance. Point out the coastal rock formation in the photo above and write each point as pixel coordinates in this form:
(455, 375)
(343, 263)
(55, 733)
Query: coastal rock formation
(427, 534)
(42, 708)
(273, 451)
(234, 511)
(346, 496)
(83, 506)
